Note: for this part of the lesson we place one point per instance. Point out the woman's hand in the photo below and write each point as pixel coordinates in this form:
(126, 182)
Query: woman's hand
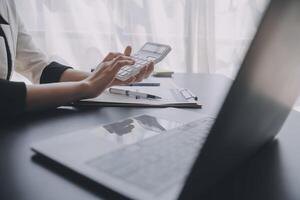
(144, 73)
(76, 85)
(105, 74)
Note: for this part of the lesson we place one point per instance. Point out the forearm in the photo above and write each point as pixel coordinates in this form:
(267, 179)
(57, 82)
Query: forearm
(53, 95)
(71, 75)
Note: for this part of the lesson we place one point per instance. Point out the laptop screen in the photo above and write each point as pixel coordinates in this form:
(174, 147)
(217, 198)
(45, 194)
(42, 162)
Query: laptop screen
(259, 100)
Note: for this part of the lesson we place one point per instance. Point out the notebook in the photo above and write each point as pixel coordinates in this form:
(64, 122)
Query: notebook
(172, 96)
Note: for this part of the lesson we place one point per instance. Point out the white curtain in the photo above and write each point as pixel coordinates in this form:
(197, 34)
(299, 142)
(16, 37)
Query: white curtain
(206, 35)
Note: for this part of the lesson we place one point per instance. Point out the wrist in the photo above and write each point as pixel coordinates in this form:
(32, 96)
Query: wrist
(71, 75)
(84, 88)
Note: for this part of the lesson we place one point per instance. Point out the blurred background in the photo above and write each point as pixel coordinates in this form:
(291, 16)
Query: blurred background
(209, 36)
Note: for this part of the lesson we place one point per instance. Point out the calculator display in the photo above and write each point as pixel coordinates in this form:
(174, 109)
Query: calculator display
(154, 48)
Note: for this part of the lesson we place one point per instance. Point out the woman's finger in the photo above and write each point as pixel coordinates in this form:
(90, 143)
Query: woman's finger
(109, 65)
(111, 56)
(121, 63)
(127, 82)
(150, 69)
(127, 51)
(121, 57)
(141, 75)
(115, 60)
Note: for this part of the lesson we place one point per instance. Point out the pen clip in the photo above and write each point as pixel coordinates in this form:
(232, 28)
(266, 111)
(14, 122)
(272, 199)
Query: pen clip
(187, 94)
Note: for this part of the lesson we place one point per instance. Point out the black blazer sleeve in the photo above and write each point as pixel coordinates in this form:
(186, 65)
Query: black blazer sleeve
(12, 98)
(13, 94)
(53, 72)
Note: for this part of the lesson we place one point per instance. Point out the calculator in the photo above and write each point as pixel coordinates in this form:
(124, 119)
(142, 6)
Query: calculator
(149, 52)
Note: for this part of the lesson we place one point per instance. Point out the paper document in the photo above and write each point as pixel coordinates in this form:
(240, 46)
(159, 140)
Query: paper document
(172, 96)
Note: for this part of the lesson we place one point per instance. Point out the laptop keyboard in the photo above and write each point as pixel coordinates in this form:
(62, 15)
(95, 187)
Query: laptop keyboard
(159, 162)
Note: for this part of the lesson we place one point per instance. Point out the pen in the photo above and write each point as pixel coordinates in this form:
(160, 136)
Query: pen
(137, 95)
(145, 84)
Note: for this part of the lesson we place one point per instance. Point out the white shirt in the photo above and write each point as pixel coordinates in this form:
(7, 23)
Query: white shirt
(27, 59)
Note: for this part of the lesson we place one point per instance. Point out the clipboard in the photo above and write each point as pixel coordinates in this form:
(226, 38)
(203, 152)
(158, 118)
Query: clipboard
(172, 96)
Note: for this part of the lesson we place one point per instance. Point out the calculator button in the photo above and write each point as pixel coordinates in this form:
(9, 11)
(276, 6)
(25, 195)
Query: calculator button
(138, 66)
(130, 70)
(161, 50)
(150, 58)
(123, 73)
(138, 61)
(143, 62)
(140, 57)
(126, 68)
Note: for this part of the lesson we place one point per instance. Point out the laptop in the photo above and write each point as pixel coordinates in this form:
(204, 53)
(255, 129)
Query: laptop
(179, 154)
